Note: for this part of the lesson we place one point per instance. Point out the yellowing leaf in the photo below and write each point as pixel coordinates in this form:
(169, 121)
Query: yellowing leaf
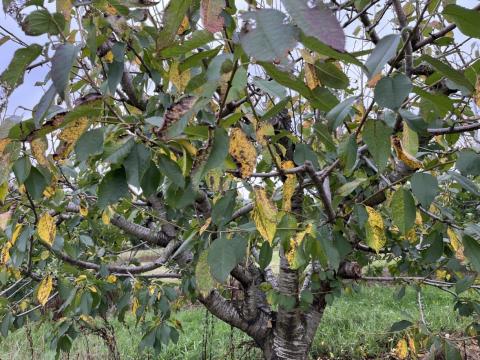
(44, 289)
(204, 281)
(108, 57)
(411, 345)
(374, 80)
(3, 191)
(404, 156)
(107, 215)
(243, 152)
(288, 186)
(375, 231)
(65, 8)
(135, 305)
(264, 215)
(294, 243)
(112, 279)
(401, 350)
(3, 144)
(205, 226)
(183, 26)
(311, 77)
(39, 146)
(266, 129)
(441, 274)
(409, 140)
(177, 78)
(49, 192)
(456, 244)
(69, 136)
(46, 228)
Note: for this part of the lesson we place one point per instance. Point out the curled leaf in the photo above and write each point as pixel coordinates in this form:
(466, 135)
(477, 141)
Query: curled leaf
(404, 156)
(175, 113)
(264, 215)
(243, 152)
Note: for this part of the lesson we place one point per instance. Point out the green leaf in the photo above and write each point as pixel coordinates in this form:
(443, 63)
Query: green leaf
(317, 20)
(403, 210)
(35, 183)
(347, 189)
(269, 38)
(223, 208)
(42, 22)
(222, 258)
(21, 169)
(339, 113)
(41, 110)
(62, 63)
(265, 256)
(89, 144)
(120, 152)
(435, 250)
(303, 152)
(385, 50)
(465, 19)
(400, 325)
(136, 163)
(13, 74)
(151, 179)
(390, 92)
(347, 151)
(116, 68)
(425, 188)
(456, 76)
(172, 18)
(112, 188)
(198, 39)
(465, 183)
(468, 162)
(330, 75)
(377, 137)
(442, 103)
(271, 87)
(170, 169)
(472, 251)
(219, 150)
(286, 79)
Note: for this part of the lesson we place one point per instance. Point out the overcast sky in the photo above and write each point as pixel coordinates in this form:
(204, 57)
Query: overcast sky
(28, 95)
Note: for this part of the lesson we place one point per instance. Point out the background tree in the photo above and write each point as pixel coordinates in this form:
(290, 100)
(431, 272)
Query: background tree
(222, 137)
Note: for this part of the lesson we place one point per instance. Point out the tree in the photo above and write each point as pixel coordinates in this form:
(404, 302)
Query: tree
(221, 138)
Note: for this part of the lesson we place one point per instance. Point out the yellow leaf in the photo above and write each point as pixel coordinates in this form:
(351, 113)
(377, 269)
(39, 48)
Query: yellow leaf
(375, 230)
(401, 350)
(108, 57)
(107, 215)
(360, 111)
(266, 129)
(83, 211)
(411, 236)
(3, 144)
(374, 80)
(411, 345)
(183, 26)
(39, 146)
(294, 243)
(441, 274)
(477, 91)
(404, 156)
(418, 218)
(80, 278)
(205, 226)
(3, 191)
(264, 215)
(243, 152)
(177, 78)
(456, 244)
(135, 305)
(69, 136)
(87, 319)
(288, 186)
(311, 77)
(49, 192)
(65, 8)
(44, 289)
(46, 228)
(111, 279)
(5, 254)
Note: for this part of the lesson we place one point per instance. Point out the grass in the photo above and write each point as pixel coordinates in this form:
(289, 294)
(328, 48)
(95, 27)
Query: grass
(355, 326)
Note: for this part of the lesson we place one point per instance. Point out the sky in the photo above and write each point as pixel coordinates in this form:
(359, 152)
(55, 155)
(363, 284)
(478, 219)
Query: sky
(28, 95)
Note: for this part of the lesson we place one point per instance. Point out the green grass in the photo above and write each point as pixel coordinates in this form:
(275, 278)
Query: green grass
(355, 326)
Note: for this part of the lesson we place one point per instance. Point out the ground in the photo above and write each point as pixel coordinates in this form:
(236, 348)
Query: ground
(354, 327)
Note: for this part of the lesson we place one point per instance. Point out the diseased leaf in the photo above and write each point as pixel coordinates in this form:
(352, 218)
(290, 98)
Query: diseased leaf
(385, 50)
(402, 155)
(47, 228)
(42, 22)
(44, 289)
(210, 12)
(175, 114)
(68, 137)
(5, 254)
(401, 350)
(266, 36)
(316, 20)
(243, 152)
(374, 229)
(288, 186)
(264, 215)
